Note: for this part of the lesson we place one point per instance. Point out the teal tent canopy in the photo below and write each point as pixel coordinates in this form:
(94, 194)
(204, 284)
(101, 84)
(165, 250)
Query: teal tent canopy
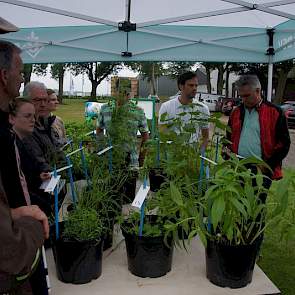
(260, 31)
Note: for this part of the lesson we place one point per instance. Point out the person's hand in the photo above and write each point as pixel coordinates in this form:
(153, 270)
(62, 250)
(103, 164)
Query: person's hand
(225, 152)
(32, 211)
(45, 176)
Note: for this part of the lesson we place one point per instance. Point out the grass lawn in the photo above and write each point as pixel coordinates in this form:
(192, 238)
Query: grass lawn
(278, 257)
(72, 110)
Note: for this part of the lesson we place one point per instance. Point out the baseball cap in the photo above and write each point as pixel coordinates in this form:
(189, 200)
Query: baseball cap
(6, 27)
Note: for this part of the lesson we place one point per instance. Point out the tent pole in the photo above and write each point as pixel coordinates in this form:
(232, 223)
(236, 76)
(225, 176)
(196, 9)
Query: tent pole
(270, 75)
(270, 52)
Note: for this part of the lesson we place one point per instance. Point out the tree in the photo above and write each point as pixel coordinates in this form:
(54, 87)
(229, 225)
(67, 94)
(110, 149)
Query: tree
(149, 71)
(220, 80)
(40, 69)
(281, 72)
(174, 69)
(96, 72)
(209, 66)
(57, 72)
(28, 68)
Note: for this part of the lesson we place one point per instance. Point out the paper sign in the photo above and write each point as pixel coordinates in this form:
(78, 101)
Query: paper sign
(50, 185)
(104, 150)
(44, 184)
(140, 196)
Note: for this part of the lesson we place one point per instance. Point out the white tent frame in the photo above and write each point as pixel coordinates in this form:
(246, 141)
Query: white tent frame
(143, 27)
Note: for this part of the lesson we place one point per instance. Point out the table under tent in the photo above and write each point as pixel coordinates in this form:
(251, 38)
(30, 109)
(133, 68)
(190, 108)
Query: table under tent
(133, 31)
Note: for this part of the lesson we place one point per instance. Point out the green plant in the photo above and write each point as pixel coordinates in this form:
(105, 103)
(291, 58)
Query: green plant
(83, 224)
(233, 206)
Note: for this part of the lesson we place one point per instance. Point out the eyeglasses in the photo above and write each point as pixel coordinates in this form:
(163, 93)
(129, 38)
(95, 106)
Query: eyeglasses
(39, 100)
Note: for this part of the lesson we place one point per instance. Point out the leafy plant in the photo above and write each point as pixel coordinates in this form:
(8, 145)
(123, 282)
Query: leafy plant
(233, 206)
(83, 224)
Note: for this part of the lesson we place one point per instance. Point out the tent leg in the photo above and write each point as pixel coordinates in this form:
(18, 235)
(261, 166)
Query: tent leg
(269, 81)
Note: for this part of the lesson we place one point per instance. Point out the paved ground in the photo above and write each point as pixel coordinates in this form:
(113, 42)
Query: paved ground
(290, 159)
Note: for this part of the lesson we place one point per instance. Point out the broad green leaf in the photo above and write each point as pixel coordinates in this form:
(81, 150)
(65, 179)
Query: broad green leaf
(217, 210)
(175, 194)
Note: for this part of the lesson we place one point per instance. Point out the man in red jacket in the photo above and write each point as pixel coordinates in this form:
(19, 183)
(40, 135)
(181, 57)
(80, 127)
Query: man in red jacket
(258, 128)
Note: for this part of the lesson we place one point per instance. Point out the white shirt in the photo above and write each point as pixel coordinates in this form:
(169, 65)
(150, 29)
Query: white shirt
(174, 108)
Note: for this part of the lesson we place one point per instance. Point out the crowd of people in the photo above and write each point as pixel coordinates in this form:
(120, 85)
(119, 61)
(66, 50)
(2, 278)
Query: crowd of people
(31, 139)
(31, 145)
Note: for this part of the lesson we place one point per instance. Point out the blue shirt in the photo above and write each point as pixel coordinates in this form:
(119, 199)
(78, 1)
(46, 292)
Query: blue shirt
(250, 143)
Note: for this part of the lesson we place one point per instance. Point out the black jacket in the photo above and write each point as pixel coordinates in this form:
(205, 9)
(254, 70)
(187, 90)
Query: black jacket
(8, 164)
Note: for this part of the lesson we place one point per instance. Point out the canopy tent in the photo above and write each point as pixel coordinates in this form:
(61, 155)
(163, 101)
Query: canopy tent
(125, 30)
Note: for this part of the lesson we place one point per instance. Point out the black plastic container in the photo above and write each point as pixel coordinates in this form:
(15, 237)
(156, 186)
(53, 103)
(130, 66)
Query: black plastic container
(148, 256)
(231, 266)
(129, 188)
(156, 177)
(77, 262)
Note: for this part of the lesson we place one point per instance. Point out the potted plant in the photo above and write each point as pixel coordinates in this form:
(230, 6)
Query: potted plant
(148, 255)
(78, 249)
(105, 198)
(232, 220)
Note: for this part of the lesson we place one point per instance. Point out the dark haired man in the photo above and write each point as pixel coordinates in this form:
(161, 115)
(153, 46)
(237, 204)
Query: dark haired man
(187, 84)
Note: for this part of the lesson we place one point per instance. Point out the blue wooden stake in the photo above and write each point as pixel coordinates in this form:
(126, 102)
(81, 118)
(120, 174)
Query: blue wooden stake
(201, 170)
(56, 207)
(158, 153)
(216, 149)
(84, 164)
(69, 163)
(72, 144)
(110, 158)
(209, 225)
(142, 211)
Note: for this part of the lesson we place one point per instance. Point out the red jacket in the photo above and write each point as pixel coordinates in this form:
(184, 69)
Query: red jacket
(274, 134)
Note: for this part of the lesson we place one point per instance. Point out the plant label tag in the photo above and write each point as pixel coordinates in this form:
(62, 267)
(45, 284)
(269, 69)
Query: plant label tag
(140, 196)
(50, 186)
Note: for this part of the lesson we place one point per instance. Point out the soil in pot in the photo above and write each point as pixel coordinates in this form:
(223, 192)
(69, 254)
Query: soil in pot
(77, 262)
(231, 266)
(148, 256)
(156, 177)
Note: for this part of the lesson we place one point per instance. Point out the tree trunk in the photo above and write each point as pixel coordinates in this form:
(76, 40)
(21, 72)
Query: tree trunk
(227, 72)
(60, 86)
(152, 81)
(220, 79)
(282, 79)
(94, 85)
(27, 73)
(208, 77)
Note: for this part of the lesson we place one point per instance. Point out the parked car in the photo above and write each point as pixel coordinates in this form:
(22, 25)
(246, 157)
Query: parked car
(289, 109)
(213, 101)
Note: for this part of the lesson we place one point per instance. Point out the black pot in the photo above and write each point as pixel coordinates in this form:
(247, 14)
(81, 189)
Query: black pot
(129, 188)
(77, 262)
(231, 266)
(148, 256)
(156, 177)
(108, 237)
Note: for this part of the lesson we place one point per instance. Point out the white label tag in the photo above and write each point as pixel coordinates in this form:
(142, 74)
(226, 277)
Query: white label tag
(140, 196)
(51, 184)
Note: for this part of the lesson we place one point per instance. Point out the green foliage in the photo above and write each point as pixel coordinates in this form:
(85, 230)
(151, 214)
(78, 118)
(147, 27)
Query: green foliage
(233, 206)
(83, 224)
(153, 225)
